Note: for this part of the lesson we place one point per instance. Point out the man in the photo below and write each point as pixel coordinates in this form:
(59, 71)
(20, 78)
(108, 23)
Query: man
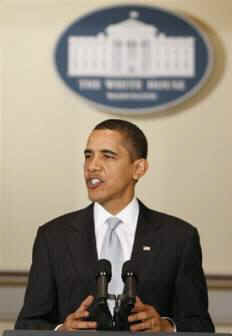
(172, 293)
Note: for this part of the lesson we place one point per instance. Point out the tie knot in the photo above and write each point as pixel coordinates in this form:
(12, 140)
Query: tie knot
(113, 222)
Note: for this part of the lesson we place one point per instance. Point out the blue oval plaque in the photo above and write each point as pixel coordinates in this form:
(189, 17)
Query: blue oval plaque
(133, 59)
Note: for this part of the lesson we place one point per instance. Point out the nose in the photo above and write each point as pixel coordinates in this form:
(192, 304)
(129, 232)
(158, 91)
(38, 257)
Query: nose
(93, 164)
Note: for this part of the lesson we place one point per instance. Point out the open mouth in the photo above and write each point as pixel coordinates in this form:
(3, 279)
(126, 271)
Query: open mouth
(94, 182)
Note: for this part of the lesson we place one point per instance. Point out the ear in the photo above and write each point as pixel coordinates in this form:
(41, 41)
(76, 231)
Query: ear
(140, 168)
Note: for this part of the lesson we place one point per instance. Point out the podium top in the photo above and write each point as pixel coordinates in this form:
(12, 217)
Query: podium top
(99, 333)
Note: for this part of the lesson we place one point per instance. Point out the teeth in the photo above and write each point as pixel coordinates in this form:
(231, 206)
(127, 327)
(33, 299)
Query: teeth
(95, 181)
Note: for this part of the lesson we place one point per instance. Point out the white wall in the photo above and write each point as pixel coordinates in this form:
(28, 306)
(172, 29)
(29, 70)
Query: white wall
(44, 128)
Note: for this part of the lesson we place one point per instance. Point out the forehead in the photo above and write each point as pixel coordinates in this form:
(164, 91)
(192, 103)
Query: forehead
(99, 139)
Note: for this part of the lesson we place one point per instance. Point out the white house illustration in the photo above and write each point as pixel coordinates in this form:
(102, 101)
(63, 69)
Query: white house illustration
(131, 48)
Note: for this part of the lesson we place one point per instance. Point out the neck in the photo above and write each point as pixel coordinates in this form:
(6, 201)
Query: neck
(115, 207)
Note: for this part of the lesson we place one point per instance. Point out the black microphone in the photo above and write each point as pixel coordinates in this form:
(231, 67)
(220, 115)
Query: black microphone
(103, 277)
(127, 299)
(98, 310)
(129, 278)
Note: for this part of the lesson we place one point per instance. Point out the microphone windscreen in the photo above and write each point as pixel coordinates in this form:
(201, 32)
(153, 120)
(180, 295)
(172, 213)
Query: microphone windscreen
(104, 266)
(127, 270)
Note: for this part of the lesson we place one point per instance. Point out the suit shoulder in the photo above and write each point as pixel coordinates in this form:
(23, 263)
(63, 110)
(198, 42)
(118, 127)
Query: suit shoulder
(171, 223)
(66, 221)
(175, 231)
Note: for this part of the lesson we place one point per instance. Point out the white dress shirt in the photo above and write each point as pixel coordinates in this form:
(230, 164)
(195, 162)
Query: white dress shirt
(126, 230)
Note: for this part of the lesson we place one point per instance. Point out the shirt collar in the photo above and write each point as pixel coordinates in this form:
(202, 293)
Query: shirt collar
(128, 215)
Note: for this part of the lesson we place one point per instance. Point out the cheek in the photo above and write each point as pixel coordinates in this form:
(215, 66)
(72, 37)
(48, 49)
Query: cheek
(84, 169)
(120, 174)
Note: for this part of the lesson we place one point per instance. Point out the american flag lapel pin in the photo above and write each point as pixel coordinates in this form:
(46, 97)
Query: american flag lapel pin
(146, 248)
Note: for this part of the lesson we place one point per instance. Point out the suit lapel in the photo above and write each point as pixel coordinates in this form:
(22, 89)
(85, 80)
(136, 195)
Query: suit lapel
(82, 244)
(147, 244)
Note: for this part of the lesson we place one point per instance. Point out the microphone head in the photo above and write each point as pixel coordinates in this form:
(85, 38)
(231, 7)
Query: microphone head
(128, 270)
(104, 268)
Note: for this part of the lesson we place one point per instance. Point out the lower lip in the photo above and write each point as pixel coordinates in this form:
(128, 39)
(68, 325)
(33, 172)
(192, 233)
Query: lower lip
(94, 186)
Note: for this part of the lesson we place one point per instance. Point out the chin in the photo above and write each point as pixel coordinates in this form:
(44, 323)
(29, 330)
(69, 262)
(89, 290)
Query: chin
(94, 198)
(102, 201)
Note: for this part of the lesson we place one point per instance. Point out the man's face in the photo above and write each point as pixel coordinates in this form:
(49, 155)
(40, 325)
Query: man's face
(110, 174)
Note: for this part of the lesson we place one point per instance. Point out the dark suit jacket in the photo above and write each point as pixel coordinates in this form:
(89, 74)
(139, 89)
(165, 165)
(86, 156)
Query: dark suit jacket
(65, 259)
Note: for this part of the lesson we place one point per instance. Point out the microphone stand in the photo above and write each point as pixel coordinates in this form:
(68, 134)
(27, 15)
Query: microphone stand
(124, 305)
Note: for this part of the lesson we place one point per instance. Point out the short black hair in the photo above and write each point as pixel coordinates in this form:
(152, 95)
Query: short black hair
(133, 133)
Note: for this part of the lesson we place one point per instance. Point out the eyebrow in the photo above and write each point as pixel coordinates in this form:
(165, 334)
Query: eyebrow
(104, 151)
(108, 151)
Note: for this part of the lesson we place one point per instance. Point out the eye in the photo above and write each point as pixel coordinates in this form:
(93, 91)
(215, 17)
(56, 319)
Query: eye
(87, 156)
(109, 156)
